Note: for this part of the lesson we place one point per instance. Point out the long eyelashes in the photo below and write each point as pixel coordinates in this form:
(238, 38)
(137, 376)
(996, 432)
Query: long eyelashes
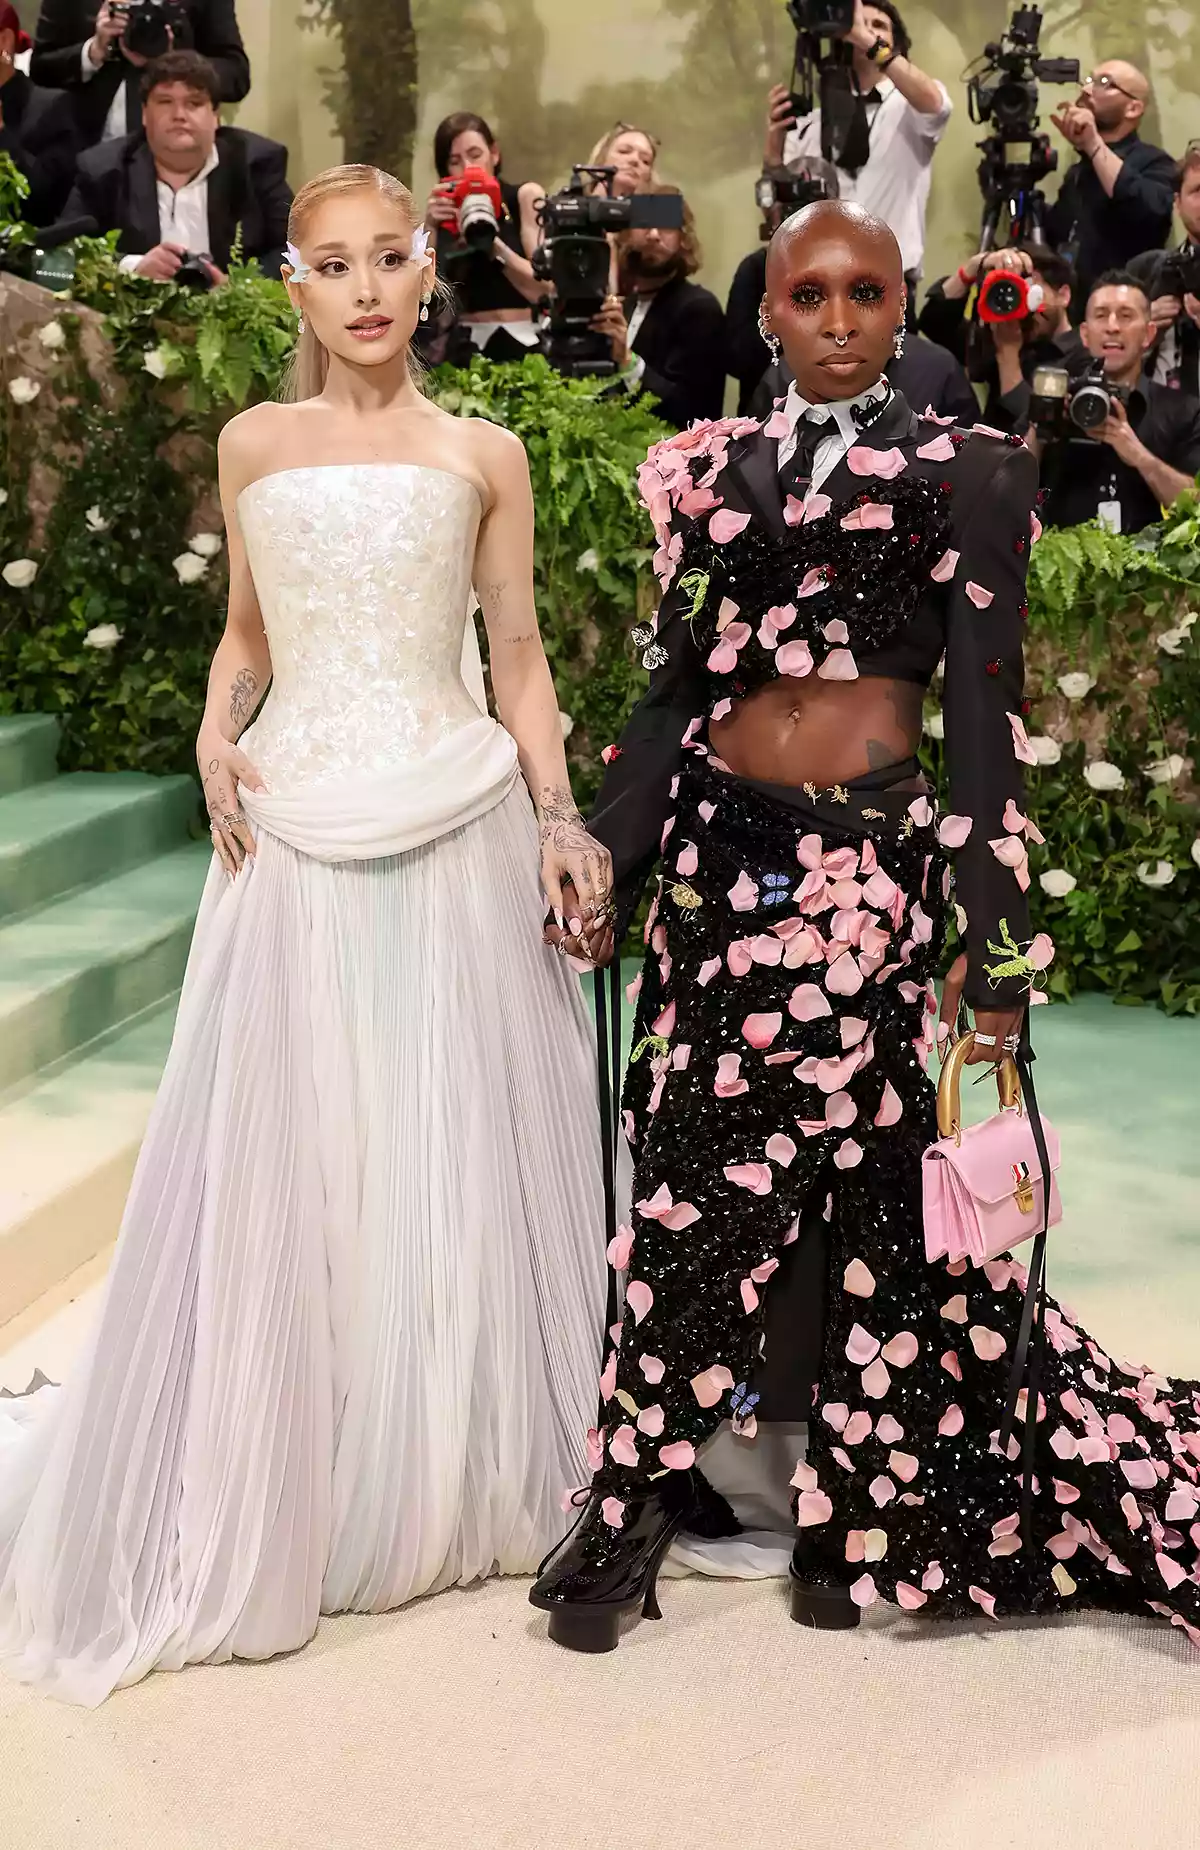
(388, 260)
(865, 293)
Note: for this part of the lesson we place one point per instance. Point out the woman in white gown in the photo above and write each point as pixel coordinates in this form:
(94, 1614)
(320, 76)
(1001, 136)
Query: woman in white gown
(347, 1351)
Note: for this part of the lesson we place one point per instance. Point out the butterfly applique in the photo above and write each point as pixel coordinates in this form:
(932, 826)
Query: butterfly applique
(776, 889)
(743, 1405)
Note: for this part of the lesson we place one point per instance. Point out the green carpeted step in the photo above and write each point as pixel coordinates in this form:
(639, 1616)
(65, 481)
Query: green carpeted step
(59, 835)
(28, 750)
(81, 965)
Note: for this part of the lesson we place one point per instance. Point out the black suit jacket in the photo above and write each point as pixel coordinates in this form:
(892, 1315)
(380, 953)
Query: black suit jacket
(65, 26)
(38, 134)
(1104, 233)
(992, 483)
(929, 377)
(682, 343)
(1148, 269)
(115, 184)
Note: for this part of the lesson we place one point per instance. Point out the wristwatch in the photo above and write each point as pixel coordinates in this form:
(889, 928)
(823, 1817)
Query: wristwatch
(881, 54)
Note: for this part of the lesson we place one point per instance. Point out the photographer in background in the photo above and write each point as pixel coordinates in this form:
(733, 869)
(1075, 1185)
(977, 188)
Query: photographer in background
(84, 51)
(185, 186)
(898, 117)
(1172, 281)
(668, 334)
(779, 192)
(1146, 451)
(1006, 352)
(494, 285)
(1116, 200)
(632, 152)
(33, 131)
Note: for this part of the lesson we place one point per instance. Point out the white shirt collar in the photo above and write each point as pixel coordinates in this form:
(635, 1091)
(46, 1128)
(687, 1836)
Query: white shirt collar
(838, 414)
(210, 166)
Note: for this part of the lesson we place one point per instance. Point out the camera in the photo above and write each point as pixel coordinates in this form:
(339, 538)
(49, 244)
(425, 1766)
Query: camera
(478, 207)
(1003, 95)
(1005, 296)
(1059, 399)
(192, 273)
(574, 257)
(780, 191)
(1180, 274)
(822, 65)
(152, 27)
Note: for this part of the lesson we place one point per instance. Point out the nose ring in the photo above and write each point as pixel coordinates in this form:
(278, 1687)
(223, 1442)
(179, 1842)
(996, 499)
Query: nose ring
(841, 340)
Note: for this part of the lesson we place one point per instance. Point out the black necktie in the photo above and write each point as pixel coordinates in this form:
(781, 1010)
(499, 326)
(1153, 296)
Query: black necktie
(809, 437)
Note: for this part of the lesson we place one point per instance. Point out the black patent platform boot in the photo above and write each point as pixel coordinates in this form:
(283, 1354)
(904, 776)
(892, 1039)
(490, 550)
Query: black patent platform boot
(825, 1608)
(598, 1575)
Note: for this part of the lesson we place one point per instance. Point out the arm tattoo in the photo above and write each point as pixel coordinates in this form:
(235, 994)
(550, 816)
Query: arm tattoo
(243, 697)
(879, 755)
(560, 825)
(491, 596)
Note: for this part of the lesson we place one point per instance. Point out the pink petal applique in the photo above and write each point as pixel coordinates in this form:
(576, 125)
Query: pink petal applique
(709, 1386)
(651, 1421)
(836, 1414)
(851, 1029)
(621, 1448)
(754, 1176)
(890, 1107)
(951, 1422)
(861, 1346)
(687, 860)
(939, 450)
(840, 1111)
(839, 665)
(881, 1490)
(729, 1082)
(766, 949)
(888, 1430)
(954, 830)
(781, 1149)
(794, 658)
(875, 1379)
(887, 464)
(836, 631)
(804, 1477)
(778, 425)
(807, 1002)
(613, 1511)
(856, 1545)
(706, 810)
(595, 1448)
(864, 1591)
(1022, 749)
(933, 1578)
(708, 970)
(678, 1457)
(761, 1273)
(653, 1368)
(1035, 529)
(761, 1030)
(868, 515)
(1170, 1570)
(988, 1345)
(726, 525)
(740, 957)
(848, 1154)
(722, 708)
(904, 1465)
(1139, 1473)
(908, 1597)
(902, 1350)
(608, 1379)
(986, 1600)
(945, 568)
(723, 659)
(793, 511)
(858, 1279)
(816, 507)
(954, 1310)
(697, 501)
(743, 894)
(844, 978)
(812, 1508)
(858, 1428)
(814, 581)
(749, 1296)
(620, 1248)
(639, 1298)
(665, 1022)
(1011, 851)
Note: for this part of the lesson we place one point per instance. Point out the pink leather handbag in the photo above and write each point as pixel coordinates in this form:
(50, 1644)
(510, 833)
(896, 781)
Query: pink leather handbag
(982, 1187)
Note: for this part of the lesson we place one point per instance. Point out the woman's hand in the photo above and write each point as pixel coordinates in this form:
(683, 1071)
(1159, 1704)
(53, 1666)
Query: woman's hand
(1000, 1025)
(440, 208)
(577, 876)
(222, 768)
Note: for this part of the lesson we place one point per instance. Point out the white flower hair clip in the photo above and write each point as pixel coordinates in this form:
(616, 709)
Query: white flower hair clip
(419, 253)
(301, 271)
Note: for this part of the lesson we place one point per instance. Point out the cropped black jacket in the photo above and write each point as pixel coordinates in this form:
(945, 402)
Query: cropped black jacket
(932, 564)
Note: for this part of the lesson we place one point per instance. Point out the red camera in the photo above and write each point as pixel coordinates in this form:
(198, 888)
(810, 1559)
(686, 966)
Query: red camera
(1005, 295)
(478, 207)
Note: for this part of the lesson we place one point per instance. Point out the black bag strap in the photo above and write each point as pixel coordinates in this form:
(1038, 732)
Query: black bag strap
(606, 986)
(1028, 1357)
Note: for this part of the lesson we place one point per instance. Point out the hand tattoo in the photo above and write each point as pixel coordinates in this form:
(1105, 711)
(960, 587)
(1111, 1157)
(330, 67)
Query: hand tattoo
(560, 825)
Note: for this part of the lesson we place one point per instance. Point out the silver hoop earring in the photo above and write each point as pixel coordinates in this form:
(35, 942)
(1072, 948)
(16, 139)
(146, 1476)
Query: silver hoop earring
(769, 339)
(898, 343)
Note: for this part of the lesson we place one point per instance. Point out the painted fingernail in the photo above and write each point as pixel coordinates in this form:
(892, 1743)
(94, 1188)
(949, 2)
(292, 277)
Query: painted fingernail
(576, 927)
(943, 1032)
(558, 918)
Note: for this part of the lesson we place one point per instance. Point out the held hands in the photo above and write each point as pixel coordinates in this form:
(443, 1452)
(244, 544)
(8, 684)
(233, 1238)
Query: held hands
(611, 321)
(1079, 127)
(222, 768)
(577, 876)
(998, 1024)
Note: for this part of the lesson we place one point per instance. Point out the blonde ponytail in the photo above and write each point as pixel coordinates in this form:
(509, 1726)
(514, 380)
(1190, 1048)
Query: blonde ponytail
(308, 368)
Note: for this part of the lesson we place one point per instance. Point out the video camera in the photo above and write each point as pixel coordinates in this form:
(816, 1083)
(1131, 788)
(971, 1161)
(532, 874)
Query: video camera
(574, 257)
(1003, 95)
(152, 27)
(822, 65)
(1059, 399)
(780, 191)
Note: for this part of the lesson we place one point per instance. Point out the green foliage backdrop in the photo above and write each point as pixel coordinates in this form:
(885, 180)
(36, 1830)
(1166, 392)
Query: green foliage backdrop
(110, 612)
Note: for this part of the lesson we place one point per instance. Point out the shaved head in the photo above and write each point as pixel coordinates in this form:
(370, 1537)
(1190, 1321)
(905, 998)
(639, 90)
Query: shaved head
(834, 298)
(1128, 76)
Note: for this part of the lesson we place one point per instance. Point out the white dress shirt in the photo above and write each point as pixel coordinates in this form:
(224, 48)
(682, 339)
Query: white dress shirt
(116, 121)
(894, 184)
(844, 430)
(183, 213)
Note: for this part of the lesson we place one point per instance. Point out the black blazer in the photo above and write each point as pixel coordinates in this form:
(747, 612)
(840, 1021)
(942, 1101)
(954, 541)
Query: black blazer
(993, 485)
(1105, 232)
(38, 134)
(930, 378)
(115, 184)
(65, 26)
(682, 343)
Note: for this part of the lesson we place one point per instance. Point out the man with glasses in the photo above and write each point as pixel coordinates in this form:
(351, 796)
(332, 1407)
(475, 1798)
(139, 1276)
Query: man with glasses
(1116, 200)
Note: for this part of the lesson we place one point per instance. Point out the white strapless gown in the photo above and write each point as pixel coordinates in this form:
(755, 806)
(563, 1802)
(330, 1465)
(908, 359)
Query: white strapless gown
(348, 1346)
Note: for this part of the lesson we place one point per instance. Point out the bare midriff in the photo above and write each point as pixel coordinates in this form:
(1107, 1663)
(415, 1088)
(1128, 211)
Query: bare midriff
(821, 732)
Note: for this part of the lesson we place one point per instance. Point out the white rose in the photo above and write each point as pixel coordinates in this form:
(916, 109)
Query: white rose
(206, 545)
(154, 362)
(1103, 776)
(1161, 874)
(588, 561)
(1164, 770)
(935, 726)
(1196, 851)
(1171, 641)
(1075, 686)
(95, 520)
(23, 390)
(104, 636)
(1047, 750)
(1057, 882)
(189, 567)
(52, 336)
(567, 724)
(20, 573)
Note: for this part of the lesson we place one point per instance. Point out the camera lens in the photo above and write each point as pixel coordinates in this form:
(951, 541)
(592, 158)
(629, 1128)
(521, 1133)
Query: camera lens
(1090, 406)
(1004, 294)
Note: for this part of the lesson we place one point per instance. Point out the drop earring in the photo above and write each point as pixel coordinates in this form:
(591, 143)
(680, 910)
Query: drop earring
(300, 324)
(898, 343)
(424, 308)
(769, 339)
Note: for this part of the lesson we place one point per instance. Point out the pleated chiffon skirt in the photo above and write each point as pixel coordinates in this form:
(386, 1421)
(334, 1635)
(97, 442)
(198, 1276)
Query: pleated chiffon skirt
(348, 1347)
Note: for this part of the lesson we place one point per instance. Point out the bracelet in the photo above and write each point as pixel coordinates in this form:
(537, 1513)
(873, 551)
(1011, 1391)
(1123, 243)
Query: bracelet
(963, 278)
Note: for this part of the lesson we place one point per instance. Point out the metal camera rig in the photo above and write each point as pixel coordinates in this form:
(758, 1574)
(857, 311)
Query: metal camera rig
(1017, 156)
(822, 63)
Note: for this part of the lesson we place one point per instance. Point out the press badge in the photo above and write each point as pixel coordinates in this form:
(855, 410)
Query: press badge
(1108, 516)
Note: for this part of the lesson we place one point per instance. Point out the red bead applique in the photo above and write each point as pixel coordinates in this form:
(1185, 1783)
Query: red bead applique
(1019, 544)
(1026, 708)
(995, 667)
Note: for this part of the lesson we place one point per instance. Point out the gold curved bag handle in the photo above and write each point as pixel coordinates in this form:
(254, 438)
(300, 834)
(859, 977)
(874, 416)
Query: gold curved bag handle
(949, 1103)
